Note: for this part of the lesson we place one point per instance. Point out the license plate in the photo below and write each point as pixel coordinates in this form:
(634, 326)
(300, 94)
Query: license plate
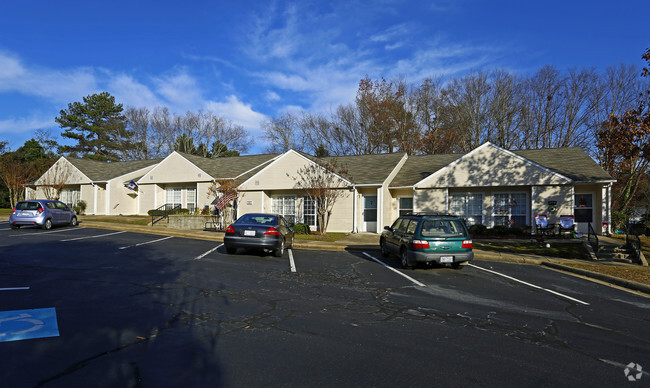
(447, 259)
(249, 233)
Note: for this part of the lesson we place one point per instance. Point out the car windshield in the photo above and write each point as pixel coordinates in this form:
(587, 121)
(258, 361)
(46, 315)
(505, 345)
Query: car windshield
(260, 219)
(442, 228)
(28, 206)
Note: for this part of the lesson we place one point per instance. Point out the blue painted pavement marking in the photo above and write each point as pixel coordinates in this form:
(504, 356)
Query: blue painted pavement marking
(19, 325)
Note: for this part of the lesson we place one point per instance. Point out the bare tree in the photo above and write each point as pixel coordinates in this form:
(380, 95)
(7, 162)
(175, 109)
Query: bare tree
(324, 185)
(15, 174)
(283, 133)
(53, 181)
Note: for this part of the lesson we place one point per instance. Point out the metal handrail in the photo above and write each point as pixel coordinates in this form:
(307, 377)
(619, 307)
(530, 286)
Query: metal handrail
(163, 212)
(633, 241)
(592, 237)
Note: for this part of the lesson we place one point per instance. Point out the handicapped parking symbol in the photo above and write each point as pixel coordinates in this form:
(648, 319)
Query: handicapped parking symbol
(27, 324)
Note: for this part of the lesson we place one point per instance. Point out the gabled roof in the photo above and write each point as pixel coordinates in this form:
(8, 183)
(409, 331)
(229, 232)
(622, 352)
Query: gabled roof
(103, 171)
(417, 168)
(229, 167)
(368, 169)
(571, 162)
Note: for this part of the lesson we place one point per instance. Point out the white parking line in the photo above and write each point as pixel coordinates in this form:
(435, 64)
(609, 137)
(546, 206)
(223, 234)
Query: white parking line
(396, 271)
(49, 231)
(146, 242)
(292, 264)
(14, 288)
(530, 284)
(199, 257)
(99, 235)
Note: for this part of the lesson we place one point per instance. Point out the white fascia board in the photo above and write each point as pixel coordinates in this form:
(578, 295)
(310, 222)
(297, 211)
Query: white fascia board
(395, 170)
(132, 172)
(36, 182)
(279, 157)
(486, 145)
(251, 169)
(163, 161)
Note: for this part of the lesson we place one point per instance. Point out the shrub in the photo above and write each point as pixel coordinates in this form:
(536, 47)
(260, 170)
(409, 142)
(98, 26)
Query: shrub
(82, 206)
(478, 230)
(301, 229)
(154, 212)
(501, 230)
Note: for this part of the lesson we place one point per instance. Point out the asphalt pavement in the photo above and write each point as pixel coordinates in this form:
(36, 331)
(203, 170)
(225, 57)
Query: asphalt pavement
(370, 242)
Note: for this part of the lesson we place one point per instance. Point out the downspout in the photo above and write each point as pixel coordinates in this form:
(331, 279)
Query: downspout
(355, 195)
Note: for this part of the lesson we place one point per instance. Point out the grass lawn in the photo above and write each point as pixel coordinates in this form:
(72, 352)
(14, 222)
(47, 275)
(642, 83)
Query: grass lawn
(5, 212)
(635, 274)
(129, 220)
(330, 237)
(563, 250)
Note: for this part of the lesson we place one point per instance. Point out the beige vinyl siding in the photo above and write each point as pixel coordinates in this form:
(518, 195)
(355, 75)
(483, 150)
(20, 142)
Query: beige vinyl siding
(562, 195)
(490, 167)
(430, 200)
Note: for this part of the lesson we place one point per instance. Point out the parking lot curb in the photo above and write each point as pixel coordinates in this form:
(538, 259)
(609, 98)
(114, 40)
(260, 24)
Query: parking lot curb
(595, 275)
(338, 246)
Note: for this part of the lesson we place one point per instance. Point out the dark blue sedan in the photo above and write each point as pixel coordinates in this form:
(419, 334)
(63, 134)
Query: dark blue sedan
(269, 232)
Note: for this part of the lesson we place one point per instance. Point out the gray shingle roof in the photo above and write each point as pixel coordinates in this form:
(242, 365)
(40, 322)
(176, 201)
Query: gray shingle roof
(104, 171)
(572, 162)
(228, 167)
(368, 169)
(417, 168)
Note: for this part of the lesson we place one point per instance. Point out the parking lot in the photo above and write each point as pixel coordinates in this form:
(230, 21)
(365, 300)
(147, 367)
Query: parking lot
(133, 309)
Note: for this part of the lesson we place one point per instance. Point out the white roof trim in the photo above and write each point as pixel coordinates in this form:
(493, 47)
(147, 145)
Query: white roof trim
(36, 182)
(488, 144)
(163, 161)
(279, 157)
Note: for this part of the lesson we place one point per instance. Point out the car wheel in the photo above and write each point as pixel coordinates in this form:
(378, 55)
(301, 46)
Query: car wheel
(404, 260)
(280, 250)
(14, 227)
(384, 248)
(231, 250)
(47, 225)
(73, 221)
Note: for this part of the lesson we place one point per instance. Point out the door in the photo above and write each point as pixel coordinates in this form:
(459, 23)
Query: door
(370, 213)
(584, 212)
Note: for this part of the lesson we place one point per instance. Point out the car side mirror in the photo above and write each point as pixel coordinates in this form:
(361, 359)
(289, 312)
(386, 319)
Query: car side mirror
(387, 228)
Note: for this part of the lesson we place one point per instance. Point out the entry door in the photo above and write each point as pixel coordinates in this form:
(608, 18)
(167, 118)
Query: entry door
(584, 212)
(370, 213)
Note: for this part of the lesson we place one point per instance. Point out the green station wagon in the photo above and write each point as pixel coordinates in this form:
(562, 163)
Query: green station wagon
(428, 238)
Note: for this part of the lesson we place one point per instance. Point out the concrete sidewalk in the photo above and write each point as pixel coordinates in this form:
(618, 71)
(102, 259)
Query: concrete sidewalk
(370, 242)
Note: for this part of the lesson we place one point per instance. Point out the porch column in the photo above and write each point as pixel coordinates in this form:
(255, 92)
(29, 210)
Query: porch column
(606, 213)
(355, 210)
(95, 199)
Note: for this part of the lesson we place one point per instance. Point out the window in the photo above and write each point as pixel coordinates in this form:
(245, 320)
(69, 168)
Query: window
(468, 206)
(405, 205)
(191, 199)
(173, 196)
(510, 209)
(70, 196)
(308, 211)
(285, 205)
(584, 208)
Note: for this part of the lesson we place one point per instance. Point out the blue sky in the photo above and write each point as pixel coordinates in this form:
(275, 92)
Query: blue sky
(248, 60)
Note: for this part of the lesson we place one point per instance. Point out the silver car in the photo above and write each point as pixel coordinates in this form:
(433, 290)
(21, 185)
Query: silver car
(42, 212)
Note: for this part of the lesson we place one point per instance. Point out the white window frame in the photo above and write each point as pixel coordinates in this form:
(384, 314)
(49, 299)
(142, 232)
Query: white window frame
(193, 201)
(509, 214)
(399, 204)
(484, 217)
(177, 193)
(283, 212)
(305, 199)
